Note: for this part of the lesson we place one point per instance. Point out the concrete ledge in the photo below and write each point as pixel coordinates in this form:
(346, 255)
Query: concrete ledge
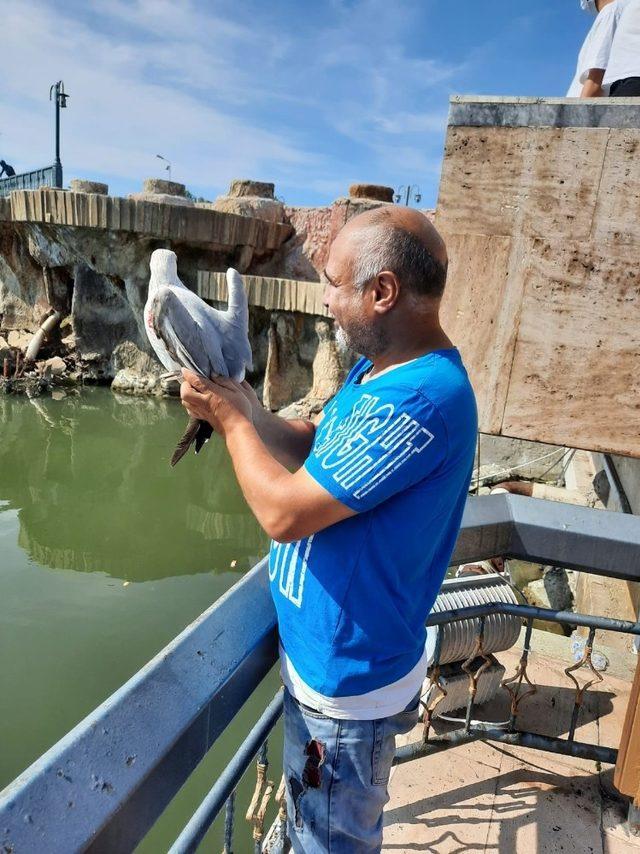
(166, 221)
(497, 111)
(268, 292)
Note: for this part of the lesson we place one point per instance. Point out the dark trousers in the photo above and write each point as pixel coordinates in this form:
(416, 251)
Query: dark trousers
(627, 88)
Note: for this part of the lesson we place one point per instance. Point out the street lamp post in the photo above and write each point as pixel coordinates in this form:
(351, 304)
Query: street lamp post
(168, 162)
(410, 191)
(59, 97)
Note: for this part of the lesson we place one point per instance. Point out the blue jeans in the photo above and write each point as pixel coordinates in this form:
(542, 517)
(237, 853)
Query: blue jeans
(336, 775)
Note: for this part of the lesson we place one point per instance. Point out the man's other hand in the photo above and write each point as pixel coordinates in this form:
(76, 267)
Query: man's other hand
(219, 401)
(252, 397)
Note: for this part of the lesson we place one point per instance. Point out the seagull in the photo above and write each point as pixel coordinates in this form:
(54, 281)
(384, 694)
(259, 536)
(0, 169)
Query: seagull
(185, 332)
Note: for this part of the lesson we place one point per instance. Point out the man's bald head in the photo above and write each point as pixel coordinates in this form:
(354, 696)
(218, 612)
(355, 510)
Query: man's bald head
(400, 240)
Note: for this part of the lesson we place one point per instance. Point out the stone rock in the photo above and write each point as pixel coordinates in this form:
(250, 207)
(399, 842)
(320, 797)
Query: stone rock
(5, 350)
(558, 590)
(244, 187)
(551, 591)
(523, 573)
(535, 593)
(375, 192)
(162, 199)
(304, 255)
(79, 185)
(102, 313)
(69, 341)
(500, 457)
(128, 382)
(257, 207)
(163, 187)
(56, 365)
(135, 372)
(19, 340)
(286, 378)
(329, 372)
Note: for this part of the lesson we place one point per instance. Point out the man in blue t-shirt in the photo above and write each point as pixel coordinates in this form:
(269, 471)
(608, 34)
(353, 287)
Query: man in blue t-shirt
(364, 510)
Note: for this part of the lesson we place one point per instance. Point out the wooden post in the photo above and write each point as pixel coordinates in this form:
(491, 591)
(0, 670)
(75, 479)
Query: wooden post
(627, 773)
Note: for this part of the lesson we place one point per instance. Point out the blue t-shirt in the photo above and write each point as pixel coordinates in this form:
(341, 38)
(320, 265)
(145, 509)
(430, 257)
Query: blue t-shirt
(352, 599)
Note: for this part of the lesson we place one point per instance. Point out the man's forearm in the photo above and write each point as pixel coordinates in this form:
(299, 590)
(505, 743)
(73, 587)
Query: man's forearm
(262, 478)
(288, 441)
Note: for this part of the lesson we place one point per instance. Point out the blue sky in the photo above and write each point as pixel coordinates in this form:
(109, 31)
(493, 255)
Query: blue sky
(311, 95)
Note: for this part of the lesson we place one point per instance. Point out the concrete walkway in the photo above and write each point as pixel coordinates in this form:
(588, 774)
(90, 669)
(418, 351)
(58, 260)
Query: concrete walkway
(497, 798)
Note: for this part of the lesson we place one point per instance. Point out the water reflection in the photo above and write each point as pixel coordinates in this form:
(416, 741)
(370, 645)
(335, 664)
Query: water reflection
(89, 477)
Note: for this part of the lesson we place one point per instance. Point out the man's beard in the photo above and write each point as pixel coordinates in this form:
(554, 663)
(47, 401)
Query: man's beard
(362, 339)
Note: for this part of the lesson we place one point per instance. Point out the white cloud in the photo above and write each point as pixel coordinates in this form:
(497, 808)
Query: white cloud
(221, 94)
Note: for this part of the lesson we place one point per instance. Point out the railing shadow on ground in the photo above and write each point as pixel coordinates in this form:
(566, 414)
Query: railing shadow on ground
(114, 774)
(548, 699)
(499, 817)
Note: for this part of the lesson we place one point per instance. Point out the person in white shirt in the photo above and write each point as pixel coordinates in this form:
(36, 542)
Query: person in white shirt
(609, 62)
(594, 55)
(623, 69)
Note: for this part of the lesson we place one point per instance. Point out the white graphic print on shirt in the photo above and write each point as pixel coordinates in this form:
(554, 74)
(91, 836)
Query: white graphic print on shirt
(362, 449)
(368, 445)
(290, 560)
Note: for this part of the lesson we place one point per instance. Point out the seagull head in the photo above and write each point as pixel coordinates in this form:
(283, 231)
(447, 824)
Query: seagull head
(164, 268)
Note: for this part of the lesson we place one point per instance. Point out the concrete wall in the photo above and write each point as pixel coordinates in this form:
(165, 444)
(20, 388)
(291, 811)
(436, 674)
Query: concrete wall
(540, 206)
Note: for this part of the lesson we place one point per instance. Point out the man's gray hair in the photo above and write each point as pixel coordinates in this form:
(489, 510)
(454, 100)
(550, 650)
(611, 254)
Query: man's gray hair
(387, 247)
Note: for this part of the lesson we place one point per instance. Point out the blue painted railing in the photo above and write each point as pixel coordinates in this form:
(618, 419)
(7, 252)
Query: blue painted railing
(49, 176)
(102, 787)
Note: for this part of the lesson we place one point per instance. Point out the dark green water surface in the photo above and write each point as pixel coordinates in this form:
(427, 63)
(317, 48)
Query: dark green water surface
(106, 554)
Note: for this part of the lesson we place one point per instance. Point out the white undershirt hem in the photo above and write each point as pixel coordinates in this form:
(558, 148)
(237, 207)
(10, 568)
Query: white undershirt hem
(380, 703)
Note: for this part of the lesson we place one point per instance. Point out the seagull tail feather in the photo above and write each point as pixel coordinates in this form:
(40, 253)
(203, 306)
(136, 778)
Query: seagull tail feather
(186, 440)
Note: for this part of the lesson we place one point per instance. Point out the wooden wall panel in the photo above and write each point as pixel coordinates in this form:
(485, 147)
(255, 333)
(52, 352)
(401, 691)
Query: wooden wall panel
(479, 187)
(542, 226)
(576, 372)
(534, 181)
(560, 183)
(480, 310)
(617, 214)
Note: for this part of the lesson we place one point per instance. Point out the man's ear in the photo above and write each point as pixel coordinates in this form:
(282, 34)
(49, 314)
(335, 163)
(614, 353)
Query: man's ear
(386, 290)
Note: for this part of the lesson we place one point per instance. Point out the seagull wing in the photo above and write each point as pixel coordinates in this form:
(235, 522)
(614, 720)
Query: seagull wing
(188, 334)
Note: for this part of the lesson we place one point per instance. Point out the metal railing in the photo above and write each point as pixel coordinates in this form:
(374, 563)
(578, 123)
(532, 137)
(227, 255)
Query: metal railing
(124, 763)
(518, 686)
(49, 176)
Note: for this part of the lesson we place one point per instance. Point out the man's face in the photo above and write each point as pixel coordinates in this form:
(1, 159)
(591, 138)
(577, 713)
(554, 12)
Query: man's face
(355, 321)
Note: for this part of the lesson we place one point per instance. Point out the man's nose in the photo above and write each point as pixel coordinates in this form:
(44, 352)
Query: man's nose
(325, 296)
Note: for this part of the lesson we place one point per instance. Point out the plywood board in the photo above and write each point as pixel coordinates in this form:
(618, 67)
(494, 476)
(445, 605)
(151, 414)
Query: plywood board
(617, 215)
(533, 181)
(480, 182)
(561, 180)
(480, 313)
(576, 371)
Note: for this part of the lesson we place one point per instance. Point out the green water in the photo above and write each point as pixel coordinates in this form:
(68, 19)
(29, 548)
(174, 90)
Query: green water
(106, 554)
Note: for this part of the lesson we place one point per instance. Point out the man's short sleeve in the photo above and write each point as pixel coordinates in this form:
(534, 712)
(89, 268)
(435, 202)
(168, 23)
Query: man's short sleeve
(377, 448)
(598, 49)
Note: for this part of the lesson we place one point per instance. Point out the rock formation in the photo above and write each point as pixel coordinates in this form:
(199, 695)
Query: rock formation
(85, 255)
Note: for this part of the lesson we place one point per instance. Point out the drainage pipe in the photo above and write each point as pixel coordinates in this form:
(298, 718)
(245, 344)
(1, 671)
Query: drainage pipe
(45, 330)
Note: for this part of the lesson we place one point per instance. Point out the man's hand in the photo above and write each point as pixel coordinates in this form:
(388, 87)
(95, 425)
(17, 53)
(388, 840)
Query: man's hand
(220, 401)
